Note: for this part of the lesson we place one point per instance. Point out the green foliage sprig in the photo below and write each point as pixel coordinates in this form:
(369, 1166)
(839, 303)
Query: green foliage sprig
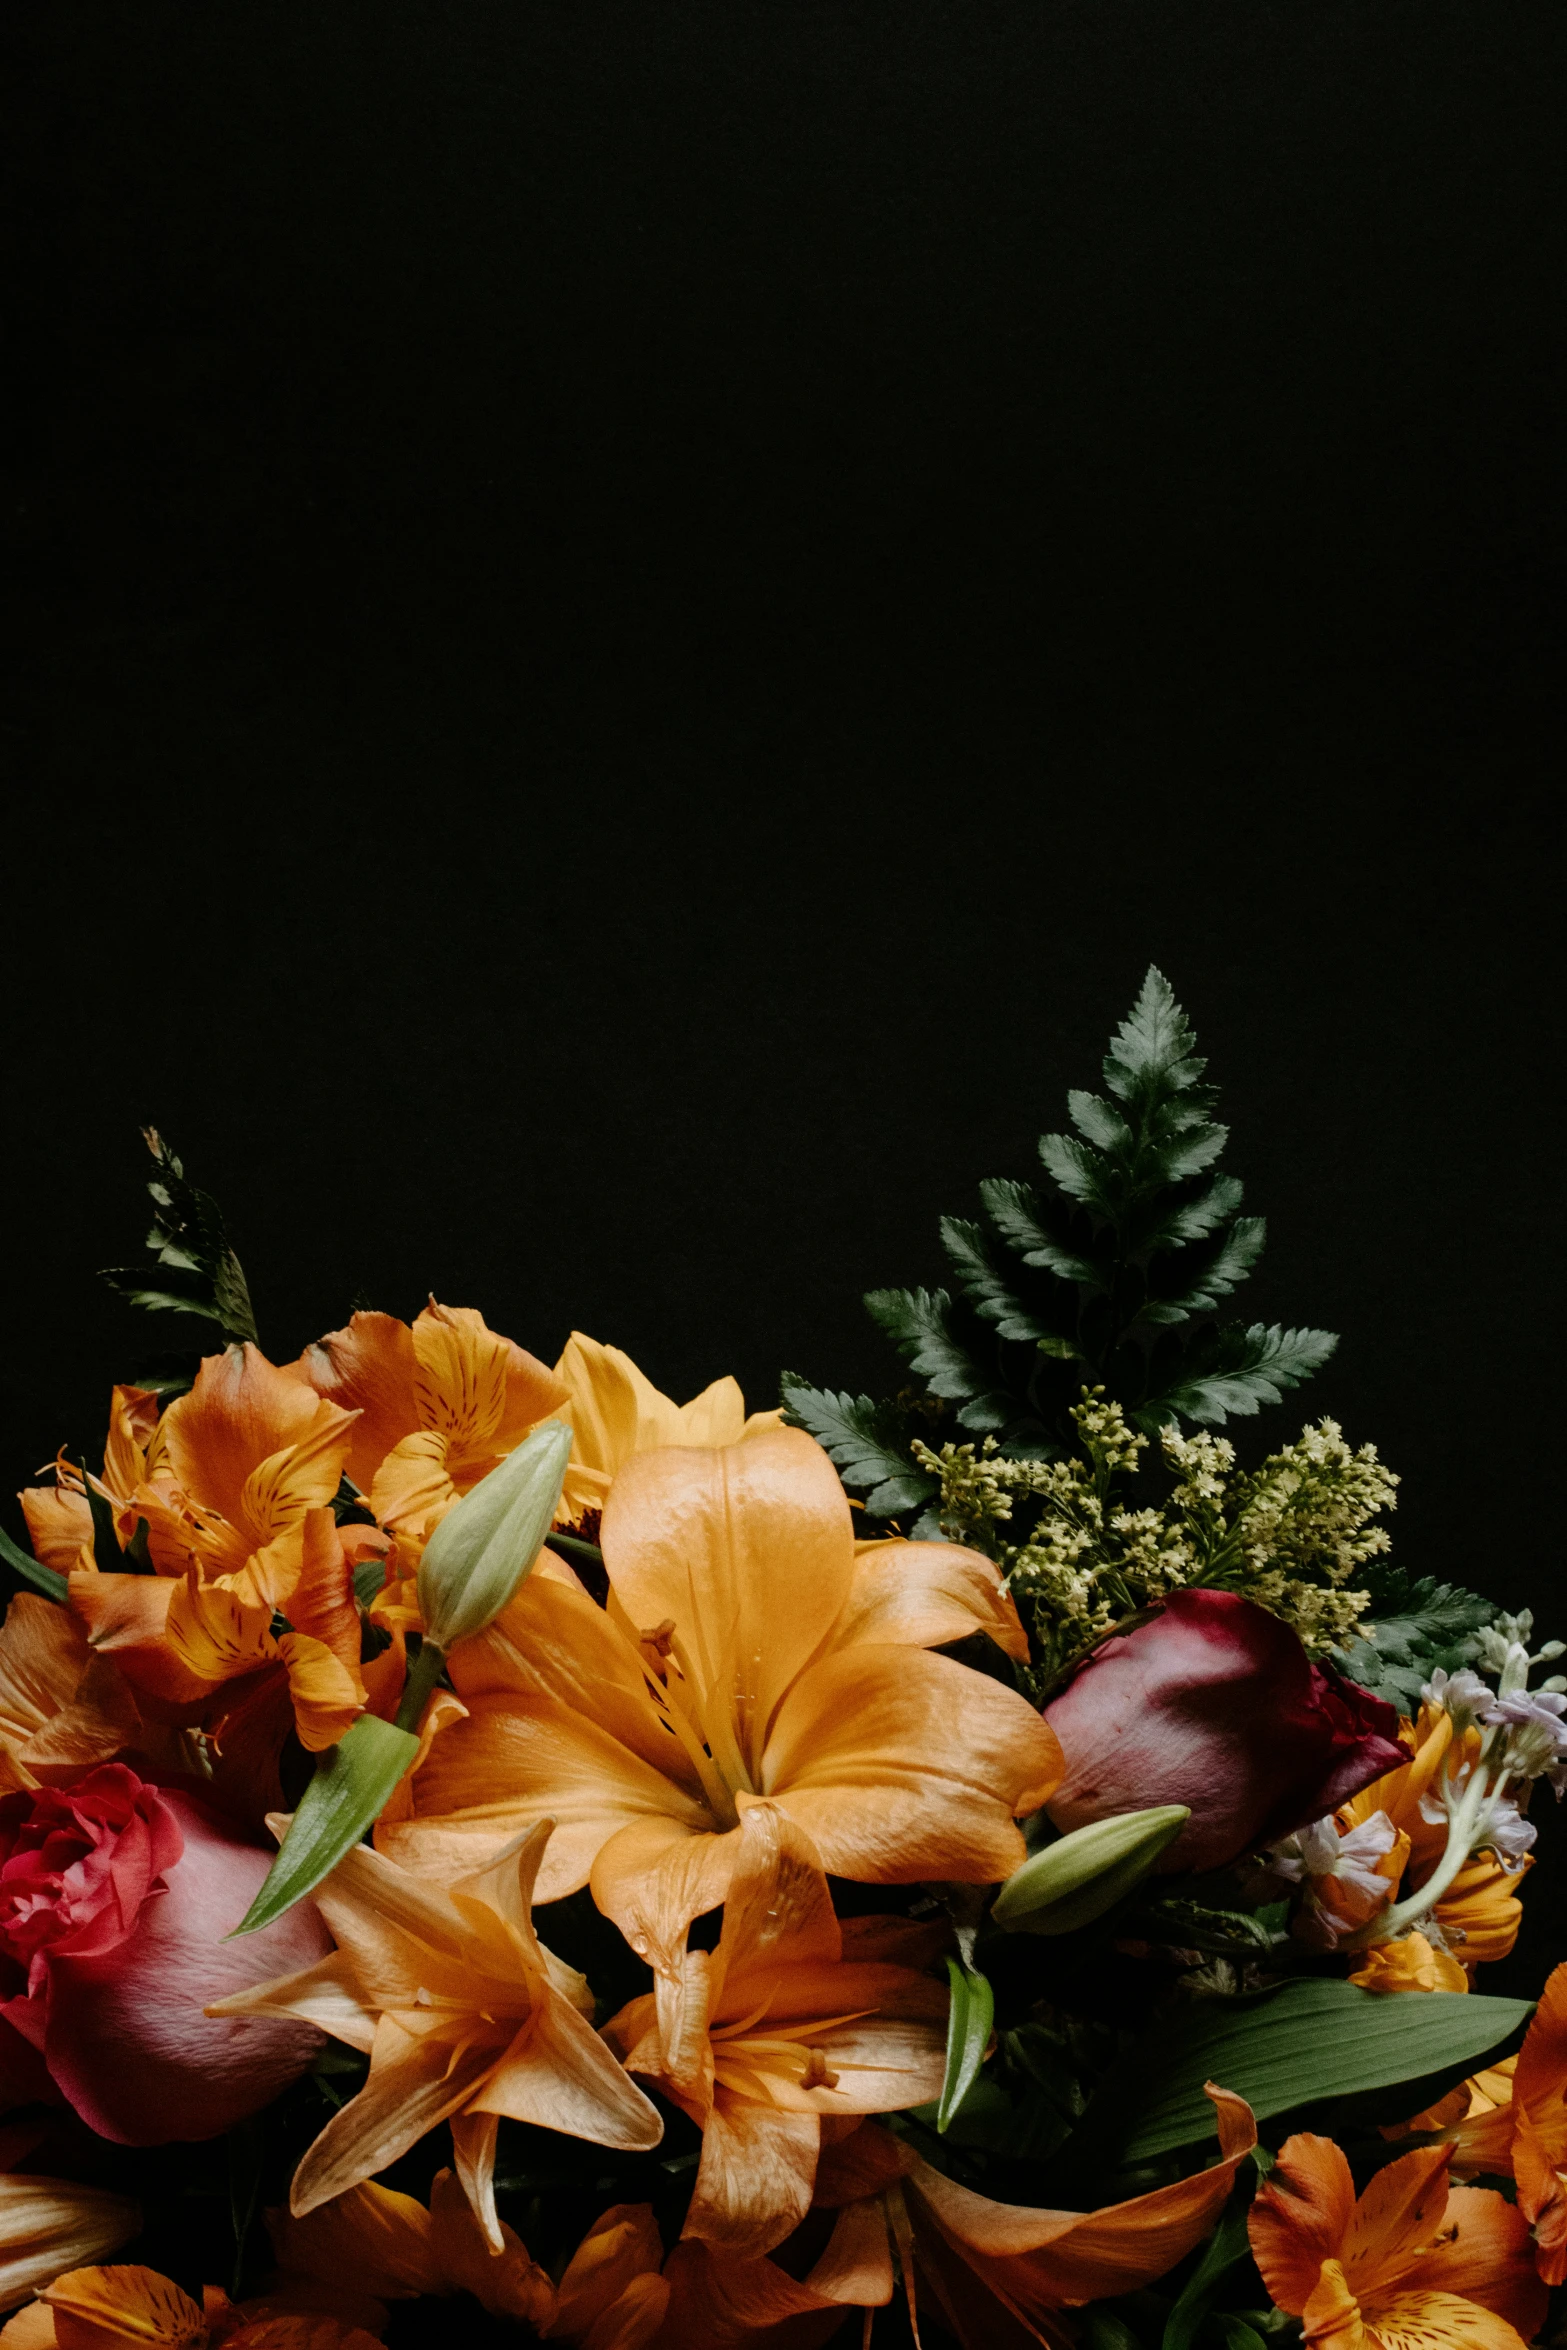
(1112, 1274)
(194, 1269)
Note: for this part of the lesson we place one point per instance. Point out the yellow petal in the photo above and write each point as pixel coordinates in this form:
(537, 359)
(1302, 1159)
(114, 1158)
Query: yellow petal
(94, 2306)
(559, 2075)
(923, 1594)
(1437, 2321)
(413, 2084)
(753, 2184)
(901, 1765)
(749, 1551)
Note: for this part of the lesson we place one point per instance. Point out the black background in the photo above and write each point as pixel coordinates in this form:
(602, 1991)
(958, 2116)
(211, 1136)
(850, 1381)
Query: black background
(638, 621)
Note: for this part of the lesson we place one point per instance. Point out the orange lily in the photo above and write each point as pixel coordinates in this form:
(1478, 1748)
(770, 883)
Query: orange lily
(781, 2028)
(59, 1520)
(464, 2015)
(749, 1652)
(438, 1406)
(614, 1411)
(49, 2224)
(240, 1474)
(393, 2248)
(1000, 2273)
(60, 1706)
(1414, 2264)
(102, 2306)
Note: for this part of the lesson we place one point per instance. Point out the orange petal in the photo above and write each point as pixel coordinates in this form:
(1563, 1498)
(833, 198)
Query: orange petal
(322, 1602)
(1540, 2079)
(368, 1368)
(240, 1416)
(901, 1765)
(559, 2075)
(778, 1910)
(1048, 2260)
(922, 1594)
(413, 2084)
(126, 1617)
(622, 2245)
(370, 2232)
(753, 2185)
(43, 1655)
(94, 2306)
(1395, 2219)
(1485, 2256)
(748, 1550)
(326, 1695)
(654, 1876)
(504, 2281)
(1409, 1964)
(475, 1386)
(1480, 1912)
(59, 1525)
(861, 2165)
(212, 1632)
(133, 1415)
(1300, 2218)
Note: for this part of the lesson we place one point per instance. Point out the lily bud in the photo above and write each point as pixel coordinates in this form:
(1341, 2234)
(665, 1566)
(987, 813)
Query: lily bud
(1076, 1880)
(481, 1550)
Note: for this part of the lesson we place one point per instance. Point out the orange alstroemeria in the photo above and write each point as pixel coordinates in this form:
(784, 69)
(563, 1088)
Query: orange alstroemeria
(240, 1475)
(59, 1519)
(61, 1707)
(1413, 2264)
(615, 1411)
(93, 2308)
(1001, 2274)
(391, 2248)
(1511, 2121)
(439, 1405)
(783, 2027)
(749, 1653)
(464, 2015)
(47, 2225)
(1411, 1963)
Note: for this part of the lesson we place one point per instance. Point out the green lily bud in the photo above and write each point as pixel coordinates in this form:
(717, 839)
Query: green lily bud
(1077, 1879)
(479, 1553)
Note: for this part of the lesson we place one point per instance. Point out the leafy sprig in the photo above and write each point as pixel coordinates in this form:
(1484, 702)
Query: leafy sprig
(1112, 1273)
(194, 1268)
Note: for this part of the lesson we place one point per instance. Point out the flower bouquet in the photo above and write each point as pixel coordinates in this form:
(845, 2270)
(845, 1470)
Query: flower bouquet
(488, 1844)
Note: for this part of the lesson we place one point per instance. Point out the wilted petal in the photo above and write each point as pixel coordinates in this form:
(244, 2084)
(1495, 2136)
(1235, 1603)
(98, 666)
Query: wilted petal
(51, 2225)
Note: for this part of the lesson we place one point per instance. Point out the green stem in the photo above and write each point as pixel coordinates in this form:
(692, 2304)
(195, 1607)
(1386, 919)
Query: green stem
(1460, 1841)
(572, 1546)
(423, 1674)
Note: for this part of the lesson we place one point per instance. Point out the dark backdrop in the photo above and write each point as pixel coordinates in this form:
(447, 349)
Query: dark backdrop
(639, 620)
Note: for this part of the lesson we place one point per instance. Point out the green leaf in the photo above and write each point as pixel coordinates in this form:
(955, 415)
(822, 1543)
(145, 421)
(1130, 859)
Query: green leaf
(969, 2020)
(1151, 1050)
(919, 1323)
(21, 1562)
(1227, 2248)
(1098, 1123)
(1414, 1628)
(369, 1581)
(1022, 1221)
(1291, 2045)
(1242, 1369)
(991, 1292)
(867, 1440)
(1082, 1173)
(351, 1788)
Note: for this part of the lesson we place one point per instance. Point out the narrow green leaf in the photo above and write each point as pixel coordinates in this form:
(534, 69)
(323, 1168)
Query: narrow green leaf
(352, 1785)
(1234, 2332)
(21, 1562)
(969, 2020)
(1288, 2046)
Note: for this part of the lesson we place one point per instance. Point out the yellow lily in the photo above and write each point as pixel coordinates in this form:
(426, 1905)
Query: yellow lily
(781, 2029)
(464, 2015)
(749, 1653)
(615, 1411)
(1413, 2264)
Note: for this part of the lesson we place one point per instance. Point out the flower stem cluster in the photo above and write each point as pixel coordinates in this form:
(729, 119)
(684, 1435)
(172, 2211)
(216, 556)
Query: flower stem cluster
(1290, 1534)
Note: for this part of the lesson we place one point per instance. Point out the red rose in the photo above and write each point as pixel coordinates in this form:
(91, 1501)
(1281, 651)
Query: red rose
(116, 1899)
(1215, 1704)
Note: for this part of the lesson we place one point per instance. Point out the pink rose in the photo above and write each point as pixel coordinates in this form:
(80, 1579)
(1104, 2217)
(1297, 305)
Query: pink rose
(1215, 1704)
(115, 1901)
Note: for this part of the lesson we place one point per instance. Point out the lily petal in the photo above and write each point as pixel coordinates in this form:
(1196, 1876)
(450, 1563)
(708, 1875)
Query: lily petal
(923, 1594)
(753, 2185)
(560, 2075)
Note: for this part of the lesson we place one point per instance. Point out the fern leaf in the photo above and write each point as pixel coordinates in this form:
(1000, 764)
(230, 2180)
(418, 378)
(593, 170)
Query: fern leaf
(1243, 1369)
(1098, 1123)
(918, 1321)
(867, 1441)
(990, 1292)
(1414, 1629)
(1152, 1049)
(1016, 1212)
(1079, 1170)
